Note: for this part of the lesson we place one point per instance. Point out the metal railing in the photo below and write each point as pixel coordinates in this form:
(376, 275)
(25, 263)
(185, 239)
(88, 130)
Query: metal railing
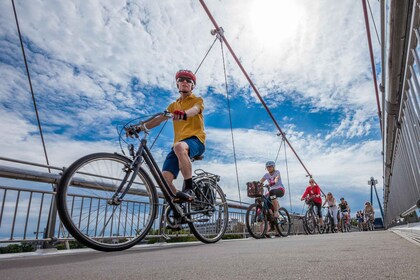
(402, 119)
(29, 214)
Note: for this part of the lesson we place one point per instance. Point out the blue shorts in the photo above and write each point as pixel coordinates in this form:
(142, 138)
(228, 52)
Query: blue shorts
(171, 164)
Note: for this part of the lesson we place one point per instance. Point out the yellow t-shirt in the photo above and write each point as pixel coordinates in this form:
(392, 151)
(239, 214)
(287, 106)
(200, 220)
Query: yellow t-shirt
(193, 126)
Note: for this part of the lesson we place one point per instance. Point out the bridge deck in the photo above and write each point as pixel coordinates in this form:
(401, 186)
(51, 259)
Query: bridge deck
(356, 255)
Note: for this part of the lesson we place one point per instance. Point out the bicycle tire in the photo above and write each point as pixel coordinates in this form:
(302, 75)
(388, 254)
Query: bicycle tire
(256, 221)
(325, 228)
(284, 223)
(86, 210)
(310, 222)
(304, 226)
(210, 226)
(333, 225)
(344, 225)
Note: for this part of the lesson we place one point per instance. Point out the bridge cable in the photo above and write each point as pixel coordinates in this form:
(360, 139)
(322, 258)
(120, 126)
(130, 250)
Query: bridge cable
(30, 86)
(374, 24)
(251, 83)
(288, 182)
(230, 121)
(157, 136)
(372, 61)
(205, 56)
(287, 170)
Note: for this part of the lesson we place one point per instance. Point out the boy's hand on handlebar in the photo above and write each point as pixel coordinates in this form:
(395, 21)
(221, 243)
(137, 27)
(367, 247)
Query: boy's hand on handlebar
(179, 115)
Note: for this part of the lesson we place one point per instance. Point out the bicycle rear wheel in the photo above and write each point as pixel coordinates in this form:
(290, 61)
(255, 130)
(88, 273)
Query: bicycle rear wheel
(210, 214)
(88, 210)
(284, 223)
(256, 222)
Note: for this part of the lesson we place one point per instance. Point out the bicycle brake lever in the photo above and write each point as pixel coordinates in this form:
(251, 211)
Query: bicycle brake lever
(167, 114)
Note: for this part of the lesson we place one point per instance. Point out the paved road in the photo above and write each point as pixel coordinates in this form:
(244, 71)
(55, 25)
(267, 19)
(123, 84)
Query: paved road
(356, 255)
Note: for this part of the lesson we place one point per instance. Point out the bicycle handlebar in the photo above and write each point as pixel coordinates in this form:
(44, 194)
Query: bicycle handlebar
(135, 129)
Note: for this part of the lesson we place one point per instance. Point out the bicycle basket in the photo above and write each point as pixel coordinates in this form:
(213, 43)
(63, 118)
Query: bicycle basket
(254, 189)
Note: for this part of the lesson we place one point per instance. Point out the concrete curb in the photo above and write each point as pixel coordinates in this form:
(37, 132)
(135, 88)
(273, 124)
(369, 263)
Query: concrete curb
(143, 247)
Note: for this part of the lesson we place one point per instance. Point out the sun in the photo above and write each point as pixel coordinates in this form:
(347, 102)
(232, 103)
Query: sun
(274, 22)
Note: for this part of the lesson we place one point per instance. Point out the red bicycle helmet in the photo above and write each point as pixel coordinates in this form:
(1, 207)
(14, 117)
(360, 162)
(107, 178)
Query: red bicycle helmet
(185, 74)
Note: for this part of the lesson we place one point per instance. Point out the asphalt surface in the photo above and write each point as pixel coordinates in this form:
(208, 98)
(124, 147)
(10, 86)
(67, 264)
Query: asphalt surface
(355, 255)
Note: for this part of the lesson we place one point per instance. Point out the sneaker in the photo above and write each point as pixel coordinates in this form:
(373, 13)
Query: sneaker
(185, 196)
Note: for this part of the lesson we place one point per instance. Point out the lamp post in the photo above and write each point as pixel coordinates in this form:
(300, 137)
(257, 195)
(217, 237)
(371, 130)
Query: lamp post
(372, 182)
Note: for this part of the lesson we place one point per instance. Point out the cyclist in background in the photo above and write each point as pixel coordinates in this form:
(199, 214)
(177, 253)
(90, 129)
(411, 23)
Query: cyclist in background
(332, 205)
(189, 135)
(276, 186)
(369, 212)
(359, 218)
(344, 209)
(314, 191)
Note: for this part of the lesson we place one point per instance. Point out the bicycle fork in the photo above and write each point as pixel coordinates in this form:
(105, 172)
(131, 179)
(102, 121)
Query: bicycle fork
(133, 169)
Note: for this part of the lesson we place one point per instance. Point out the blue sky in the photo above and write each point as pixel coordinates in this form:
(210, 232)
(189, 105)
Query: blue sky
(98, 64)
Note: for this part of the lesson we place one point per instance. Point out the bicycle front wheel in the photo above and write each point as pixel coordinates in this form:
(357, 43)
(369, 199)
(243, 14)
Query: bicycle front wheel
(284, 223)
(210, 223)
(311, 223)
(256, 222)
(91, 208)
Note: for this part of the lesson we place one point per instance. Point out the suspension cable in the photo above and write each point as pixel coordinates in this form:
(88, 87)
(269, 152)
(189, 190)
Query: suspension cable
(157, 136)
(230, 121)
(278, 151)
(287, 169)
(372, 61)
(30, 85)
(288, 182)
(205, 56)
(218, 29)
(374, 23)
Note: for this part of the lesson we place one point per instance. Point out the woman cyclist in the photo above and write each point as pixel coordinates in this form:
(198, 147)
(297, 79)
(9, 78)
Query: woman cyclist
(332, 206)
(276, 186)
(314, 191)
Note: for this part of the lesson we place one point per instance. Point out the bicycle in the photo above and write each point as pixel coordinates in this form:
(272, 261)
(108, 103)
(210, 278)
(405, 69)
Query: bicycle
(344, 222)
(258, 215)
(329, 225)
(108, 201)
(311, 219)
(369, 221)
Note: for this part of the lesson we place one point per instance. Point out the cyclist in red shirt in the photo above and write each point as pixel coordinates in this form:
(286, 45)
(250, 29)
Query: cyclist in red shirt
(314, 191)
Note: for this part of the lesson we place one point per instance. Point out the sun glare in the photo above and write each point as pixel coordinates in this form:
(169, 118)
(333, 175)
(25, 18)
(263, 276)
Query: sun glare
(275, 21)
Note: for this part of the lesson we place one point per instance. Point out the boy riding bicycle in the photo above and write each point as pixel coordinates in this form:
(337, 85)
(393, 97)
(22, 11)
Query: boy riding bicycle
(189, 135)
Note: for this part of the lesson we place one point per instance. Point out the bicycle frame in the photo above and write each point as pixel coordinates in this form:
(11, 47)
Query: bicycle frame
(311, 206)
(265, 201)
(143, 154)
